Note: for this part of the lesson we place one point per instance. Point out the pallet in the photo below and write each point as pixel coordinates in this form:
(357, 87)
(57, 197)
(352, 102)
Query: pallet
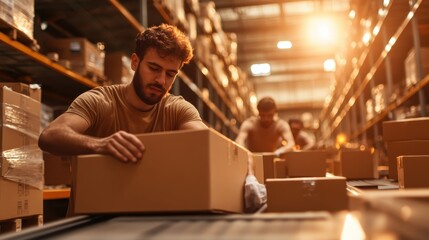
(17, 35)
(18, 224)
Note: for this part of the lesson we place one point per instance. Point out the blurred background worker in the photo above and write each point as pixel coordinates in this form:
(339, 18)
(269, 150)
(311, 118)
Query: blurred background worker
(262, 133)
(303, 140)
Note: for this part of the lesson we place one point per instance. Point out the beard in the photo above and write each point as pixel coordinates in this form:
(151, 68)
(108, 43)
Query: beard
(139, 86)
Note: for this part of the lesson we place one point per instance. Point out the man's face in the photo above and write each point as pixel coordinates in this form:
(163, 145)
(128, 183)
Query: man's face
(266, 118)
(295, 128)
(154, 76)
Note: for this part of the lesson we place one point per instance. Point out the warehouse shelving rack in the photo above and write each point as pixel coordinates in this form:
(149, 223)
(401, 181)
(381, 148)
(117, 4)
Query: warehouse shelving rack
(115, 24)
(395, 27)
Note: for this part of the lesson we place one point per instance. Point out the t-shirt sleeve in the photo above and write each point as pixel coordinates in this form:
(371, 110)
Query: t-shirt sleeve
(185, 112)
(86, 106)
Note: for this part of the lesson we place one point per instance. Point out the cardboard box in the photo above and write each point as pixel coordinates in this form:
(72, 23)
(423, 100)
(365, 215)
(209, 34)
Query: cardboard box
(306, 194)
(181, 171)
(258, 167)
(57, 169)
(406, 129)
(85, 58)
(356, 164)
(306, 164)
(32, 90)
(20, 117)
(264, 162)
(117, 68)
(280, 170)
(19, 200)
(395, 149)
(412, 171)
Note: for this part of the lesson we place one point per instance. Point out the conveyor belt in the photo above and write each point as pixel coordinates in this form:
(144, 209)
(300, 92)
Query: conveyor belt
(316, 225)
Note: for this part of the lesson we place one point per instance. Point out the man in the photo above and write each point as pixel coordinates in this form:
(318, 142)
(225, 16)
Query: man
(262, 134)
(105, 119)
(303, 140)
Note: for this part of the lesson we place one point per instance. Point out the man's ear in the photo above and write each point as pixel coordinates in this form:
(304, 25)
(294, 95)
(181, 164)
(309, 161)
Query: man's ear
(134, 61)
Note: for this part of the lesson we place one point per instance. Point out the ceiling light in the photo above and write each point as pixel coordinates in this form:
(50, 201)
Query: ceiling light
(43, 25)
(322, 30)
(329, 65)
(352, 14)
(260, 69)
(284, 45)
(386, 2)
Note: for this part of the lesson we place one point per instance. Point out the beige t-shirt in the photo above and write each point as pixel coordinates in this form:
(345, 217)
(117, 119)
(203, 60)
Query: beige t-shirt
(107, 111)
(260, 139)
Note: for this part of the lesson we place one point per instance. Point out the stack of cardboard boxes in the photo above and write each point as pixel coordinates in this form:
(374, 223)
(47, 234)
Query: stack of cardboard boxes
(408, 151)
(21, 180)
(297, 182)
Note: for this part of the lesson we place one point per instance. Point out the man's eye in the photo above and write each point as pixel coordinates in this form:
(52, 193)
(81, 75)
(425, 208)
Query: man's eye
(171, 75)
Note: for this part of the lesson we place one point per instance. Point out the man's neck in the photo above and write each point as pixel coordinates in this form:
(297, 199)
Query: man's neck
(133, 99)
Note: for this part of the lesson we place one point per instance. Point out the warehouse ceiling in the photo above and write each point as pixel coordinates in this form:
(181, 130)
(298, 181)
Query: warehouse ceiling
(315, 29)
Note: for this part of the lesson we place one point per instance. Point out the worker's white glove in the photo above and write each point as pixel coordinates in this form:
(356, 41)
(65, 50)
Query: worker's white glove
(277, 153)
(255, 194)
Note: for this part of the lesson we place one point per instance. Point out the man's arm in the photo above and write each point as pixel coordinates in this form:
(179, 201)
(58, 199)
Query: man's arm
(65, 136)
(286, 135)
(242, 135)
(309, 138)
(193, 125)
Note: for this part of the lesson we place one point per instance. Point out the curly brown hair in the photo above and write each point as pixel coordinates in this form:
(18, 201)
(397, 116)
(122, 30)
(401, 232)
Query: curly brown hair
(168, 40)
(266, 104)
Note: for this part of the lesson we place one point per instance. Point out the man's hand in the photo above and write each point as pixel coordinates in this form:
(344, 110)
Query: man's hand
(255, 194)
(121, 145)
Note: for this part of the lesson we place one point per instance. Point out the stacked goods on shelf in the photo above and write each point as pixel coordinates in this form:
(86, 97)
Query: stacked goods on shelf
(405, 137)
(379, 96)
(410, 63)
(21, 181)
(85, 58)
(117, 68)
(19, 14)
(176, 10)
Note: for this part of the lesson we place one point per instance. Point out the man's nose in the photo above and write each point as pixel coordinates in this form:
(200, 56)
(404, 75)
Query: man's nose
(161, 78)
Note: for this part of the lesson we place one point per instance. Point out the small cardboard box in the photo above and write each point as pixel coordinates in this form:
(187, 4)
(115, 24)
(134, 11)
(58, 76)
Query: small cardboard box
(32, 90)
(406, 129)
(412, 171)
(264, 165)
(306, 194)
(280, 170)
(306, 164)
(57, 169)
(356, 164)
(258, 167)
(117, 68)
(19, 200)
(395, 149)
(181, 171)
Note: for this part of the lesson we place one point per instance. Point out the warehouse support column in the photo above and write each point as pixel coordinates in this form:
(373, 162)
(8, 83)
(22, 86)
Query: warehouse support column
(419, 68)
